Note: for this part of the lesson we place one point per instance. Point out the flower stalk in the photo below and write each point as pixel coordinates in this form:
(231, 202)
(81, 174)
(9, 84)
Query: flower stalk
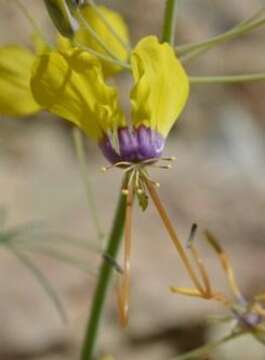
(172, 233)
(191, 51)
(227, 79)
(99, 299)
(168, 33)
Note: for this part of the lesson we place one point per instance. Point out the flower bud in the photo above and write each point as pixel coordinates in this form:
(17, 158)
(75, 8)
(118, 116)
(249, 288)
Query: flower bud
(61, 13)
(74, 4)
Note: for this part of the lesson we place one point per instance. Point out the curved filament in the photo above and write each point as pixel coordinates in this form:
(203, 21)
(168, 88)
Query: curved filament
(172, 233)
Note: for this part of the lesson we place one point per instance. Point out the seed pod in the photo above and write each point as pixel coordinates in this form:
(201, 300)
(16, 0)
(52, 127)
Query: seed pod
(61, 13)
(74, 4)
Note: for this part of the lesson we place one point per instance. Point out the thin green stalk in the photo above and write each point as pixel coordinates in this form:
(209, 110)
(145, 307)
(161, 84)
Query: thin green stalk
(240, 29)
(80, 152)
(98, 302)
(188, 52)
(168, 33)
(206, 349)
(229, 79)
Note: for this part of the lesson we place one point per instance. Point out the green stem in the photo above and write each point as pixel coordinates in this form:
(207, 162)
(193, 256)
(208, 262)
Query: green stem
(206, 349)
(229, 79)
(221, 38)
(168, 33)
(100, 294)
(188, 52)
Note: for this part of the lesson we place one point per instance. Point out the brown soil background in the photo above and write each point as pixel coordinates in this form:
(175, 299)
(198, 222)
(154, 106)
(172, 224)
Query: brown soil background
(217, 181)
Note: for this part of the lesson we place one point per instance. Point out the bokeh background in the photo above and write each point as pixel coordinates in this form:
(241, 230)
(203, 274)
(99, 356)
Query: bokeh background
(217, 181)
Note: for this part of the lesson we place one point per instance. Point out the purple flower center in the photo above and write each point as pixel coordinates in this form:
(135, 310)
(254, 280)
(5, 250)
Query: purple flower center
(134, 145)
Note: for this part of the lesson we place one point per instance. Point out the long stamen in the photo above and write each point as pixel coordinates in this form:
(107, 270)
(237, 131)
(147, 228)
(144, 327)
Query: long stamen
(150, 161)
(146, 176)
(217, 296)
(171, 231)
(199, 262)
(225, 264)
(157, 166)
(123, 291)
(154, 160)
(117, 165)
(205, 278)
(187, 292)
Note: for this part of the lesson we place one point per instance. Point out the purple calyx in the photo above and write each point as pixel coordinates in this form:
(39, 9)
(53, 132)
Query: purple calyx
(135, 145)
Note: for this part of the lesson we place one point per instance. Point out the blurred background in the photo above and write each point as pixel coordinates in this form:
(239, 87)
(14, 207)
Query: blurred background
(217, 181)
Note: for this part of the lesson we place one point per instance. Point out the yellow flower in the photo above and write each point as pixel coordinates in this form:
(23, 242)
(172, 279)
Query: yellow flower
(98, 18)
(92, 27)
(15, 70)
(71, 85)
(16, 62)
(161, 86)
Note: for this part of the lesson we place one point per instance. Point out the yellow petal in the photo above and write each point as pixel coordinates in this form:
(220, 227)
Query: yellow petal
(71, 85)
(40, 45)
(97, 18)
(161, 85)
(63, 44)
(15, 94)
